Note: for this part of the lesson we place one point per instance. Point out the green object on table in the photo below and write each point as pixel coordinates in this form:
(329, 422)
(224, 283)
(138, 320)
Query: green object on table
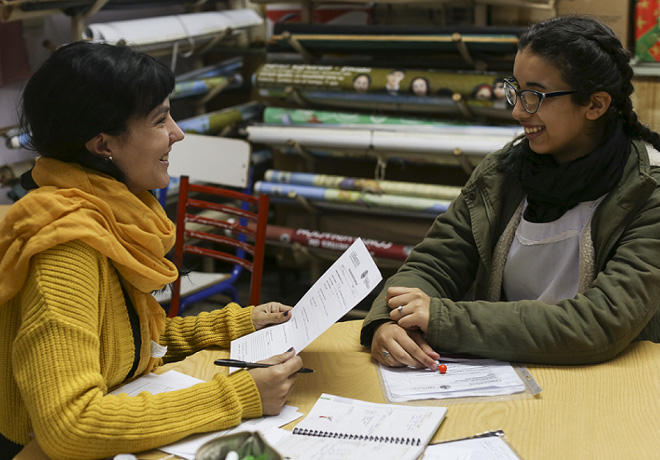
(248, 445)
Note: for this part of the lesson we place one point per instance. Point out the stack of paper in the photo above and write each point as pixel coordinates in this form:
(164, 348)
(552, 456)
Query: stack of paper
(464, 378)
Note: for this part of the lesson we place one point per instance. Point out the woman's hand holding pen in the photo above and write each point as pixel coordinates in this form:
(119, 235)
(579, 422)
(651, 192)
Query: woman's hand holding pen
(270, 313)
(276, 382)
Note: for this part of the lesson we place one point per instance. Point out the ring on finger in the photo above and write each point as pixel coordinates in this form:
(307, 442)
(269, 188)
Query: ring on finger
(386, 354)
(400, 308)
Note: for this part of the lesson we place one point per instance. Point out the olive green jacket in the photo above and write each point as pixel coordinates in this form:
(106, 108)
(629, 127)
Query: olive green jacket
(454, 266)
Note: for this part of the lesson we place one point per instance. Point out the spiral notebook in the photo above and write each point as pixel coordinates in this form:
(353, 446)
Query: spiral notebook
(346, 428)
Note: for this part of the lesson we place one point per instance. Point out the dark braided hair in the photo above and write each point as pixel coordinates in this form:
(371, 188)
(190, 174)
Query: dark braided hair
(590, 58)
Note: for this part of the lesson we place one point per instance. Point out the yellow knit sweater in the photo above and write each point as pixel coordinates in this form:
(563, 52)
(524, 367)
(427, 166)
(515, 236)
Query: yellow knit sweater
(66, 341)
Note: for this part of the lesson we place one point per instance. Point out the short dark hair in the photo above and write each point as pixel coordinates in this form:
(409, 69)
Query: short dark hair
(84, 89)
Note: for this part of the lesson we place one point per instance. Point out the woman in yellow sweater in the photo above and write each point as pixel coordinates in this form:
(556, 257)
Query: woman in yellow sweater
(80, 255)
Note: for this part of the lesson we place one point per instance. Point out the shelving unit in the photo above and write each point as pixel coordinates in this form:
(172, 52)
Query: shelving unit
(479, 5)
(306, 44)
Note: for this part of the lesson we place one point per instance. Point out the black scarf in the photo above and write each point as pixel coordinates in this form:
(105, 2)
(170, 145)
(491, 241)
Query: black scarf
(553, 188)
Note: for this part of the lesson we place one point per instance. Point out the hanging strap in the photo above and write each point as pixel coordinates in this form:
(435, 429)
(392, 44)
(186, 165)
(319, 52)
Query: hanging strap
(8, 448)
(135, 327)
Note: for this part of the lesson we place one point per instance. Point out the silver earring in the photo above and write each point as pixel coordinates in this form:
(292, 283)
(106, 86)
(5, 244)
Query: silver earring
(109, 158)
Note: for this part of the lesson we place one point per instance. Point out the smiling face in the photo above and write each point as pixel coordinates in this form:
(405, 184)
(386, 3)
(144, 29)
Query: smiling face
(142, 153)
(560, 127)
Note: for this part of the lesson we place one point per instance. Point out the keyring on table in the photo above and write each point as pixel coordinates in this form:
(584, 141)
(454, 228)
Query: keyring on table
(400, 308)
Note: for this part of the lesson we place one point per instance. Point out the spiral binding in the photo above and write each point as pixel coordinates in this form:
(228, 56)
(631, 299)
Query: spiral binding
(328, 434)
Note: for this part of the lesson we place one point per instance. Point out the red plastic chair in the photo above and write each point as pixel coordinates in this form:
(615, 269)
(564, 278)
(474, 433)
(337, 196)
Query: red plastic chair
(241, 239)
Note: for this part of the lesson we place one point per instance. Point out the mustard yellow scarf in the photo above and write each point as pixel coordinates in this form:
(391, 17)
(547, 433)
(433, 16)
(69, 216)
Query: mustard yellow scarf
(73, 203)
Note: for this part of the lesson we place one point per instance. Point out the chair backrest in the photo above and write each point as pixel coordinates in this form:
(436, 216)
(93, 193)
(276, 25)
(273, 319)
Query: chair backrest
(242, 236)
(212, 159)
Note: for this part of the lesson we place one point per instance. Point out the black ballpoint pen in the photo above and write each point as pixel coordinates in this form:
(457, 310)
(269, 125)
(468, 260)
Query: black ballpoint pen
(247, 365)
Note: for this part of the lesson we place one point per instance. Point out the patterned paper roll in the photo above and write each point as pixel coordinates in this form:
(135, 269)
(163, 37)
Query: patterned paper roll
(443, 192)
(322, 118)
(213, 122)
(335, 242)
(202, 86)
(471, 85)
(397, 103)
(332, 195)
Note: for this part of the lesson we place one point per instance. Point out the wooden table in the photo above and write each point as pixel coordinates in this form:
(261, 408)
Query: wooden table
(604, 411)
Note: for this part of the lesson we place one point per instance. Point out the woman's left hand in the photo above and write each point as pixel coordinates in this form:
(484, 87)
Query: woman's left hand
(270, 313)
(410, 307)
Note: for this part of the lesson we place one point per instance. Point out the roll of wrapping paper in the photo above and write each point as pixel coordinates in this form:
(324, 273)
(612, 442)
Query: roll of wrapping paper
(204, 85)
(380, 187)
(164, 30)
(379, 140)
(287, 116)
(335, 242)
(400, 103)
(647, 31)
(470, 85)
(213, 122)
(321, 118)
(333, 195)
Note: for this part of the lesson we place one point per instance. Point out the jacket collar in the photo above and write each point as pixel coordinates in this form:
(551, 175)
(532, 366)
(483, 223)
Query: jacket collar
(627, 197)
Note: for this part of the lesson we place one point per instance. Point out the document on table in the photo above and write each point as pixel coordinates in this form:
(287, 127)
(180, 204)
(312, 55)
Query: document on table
(478, 448)
(349, 280)
(187, 447)
(464, 378)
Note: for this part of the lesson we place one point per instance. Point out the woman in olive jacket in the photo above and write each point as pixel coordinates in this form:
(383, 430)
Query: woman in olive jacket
(551, 253)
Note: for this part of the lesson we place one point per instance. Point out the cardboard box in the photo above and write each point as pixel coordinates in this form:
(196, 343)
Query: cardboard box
(614, 13)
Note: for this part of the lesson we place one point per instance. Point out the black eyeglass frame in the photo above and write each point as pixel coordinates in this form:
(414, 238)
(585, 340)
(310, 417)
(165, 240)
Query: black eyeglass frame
(509, 82)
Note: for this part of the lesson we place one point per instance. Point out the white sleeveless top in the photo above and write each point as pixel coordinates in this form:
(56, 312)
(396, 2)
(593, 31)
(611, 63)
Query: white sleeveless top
(543, 261)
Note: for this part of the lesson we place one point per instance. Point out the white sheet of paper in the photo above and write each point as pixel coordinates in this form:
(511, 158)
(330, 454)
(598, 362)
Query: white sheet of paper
(349, 280)
(295, 447)
(188, 447)
(157, 383)
(464, 378)
(486, 448)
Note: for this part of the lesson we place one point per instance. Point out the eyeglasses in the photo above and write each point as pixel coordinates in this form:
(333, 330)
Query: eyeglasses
(530, 99)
